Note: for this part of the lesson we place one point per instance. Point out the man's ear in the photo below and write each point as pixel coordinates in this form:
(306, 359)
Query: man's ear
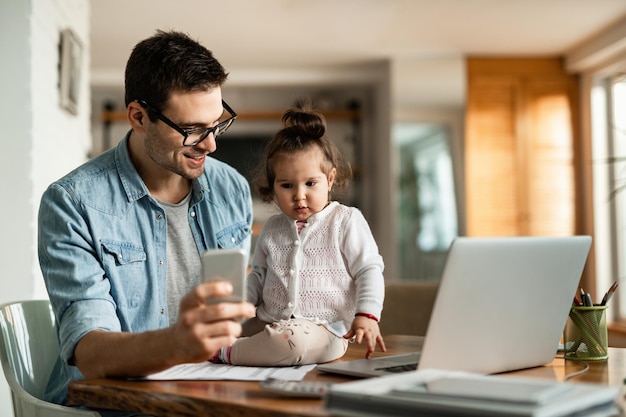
(136, 115)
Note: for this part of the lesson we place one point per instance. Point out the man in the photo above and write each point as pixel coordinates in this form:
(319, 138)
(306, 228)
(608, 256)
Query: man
(120, 237)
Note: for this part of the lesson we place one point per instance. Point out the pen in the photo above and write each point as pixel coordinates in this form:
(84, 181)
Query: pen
(586, 298)
(609, 293)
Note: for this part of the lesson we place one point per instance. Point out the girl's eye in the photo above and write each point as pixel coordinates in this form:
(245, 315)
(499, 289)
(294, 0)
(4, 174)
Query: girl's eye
(311, 183)
(287, 186)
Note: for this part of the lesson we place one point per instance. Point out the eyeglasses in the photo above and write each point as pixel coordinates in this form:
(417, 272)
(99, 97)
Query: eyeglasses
(192, 137)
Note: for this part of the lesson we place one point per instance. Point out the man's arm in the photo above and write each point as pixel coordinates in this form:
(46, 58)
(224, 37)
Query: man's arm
(201, 330)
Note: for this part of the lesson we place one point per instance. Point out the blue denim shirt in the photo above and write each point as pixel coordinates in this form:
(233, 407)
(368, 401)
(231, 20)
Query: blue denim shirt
(102, 247)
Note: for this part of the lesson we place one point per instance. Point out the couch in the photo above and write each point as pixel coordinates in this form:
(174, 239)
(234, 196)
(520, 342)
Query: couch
(407, 307)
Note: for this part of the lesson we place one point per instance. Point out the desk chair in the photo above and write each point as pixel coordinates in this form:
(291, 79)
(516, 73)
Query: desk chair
(28, 350)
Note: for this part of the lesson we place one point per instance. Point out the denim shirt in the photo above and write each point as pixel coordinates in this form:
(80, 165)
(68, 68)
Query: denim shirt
(102, 248)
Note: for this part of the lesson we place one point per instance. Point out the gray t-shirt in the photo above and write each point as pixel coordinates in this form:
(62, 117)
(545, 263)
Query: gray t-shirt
(184, 269)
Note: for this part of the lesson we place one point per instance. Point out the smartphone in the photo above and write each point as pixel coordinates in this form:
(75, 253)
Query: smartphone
(228, 265)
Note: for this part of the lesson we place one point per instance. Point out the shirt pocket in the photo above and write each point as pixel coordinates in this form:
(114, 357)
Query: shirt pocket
(233, 236)
(126, 268)
(123, 253)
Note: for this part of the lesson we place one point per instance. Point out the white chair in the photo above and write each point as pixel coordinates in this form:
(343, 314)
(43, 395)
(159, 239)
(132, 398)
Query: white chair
(28, 350)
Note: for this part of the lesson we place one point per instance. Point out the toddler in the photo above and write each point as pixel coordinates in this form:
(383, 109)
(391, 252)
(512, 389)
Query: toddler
(317, 277)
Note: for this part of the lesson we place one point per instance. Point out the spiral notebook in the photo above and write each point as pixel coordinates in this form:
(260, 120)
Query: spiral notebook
(502, 305)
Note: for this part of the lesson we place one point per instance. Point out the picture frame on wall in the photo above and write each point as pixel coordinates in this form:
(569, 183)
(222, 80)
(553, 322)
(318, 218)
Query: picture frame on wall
(70, 63)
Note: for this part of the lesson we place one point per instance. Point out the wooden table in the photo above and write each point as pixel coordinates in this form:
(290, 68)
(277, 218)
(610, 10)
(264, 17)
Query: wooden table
(244, 398)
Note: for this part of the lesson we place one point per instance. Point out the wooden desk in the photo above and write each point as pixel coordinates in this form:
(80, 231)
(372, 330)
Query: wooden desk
(243, 398)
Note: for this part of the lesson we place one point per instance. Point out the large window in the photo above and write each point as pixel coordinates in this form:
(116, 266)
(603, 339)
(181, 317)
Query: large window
(608, 128)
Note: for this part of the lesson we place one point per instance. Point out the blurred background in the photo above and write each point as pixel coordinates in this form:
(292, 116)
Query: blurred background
(459, 117)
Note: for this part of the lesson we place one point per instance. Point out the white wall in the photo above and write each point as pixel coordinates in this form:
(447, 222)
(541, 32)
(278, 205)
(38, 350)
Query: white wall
(40, 140)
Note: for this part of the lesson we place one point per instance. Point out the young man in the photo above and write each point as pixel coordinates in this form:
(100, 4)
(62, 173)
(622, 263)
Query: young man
(120, 237)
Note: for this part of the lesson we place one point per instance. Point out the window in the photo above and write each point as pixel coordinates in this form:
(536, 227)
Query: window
(426, 209)
(608, 147)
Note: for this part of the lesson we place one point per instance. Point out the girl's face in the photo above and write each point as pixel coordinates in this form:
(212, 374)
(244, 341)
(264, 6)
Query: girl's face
(301, 186)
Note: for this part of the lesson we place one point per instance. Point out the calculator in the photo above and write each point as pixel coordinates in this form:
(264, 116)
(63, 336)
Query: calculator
(313, 389)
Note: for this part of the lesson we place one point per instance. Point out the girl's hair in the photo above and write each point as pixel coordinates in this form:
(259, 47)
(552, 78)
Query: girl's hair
(304, 128)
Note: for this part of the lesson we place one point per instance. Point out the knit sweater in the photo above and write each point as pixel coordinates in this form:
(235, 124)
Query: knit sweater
(327, 273)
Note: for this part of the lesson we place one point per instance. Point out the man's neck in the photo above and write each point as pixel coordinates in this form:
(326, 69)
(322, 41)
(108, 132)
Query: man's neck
(171, 190)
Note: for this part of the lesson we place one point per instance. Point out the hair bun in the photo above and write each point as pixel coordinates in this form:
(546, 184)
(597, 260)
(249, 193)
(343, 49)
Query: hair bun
(305, 122)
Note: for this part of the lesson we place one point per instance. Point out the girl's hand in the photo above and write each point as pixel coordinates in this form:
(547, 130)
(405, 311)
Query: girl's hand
(366, 329)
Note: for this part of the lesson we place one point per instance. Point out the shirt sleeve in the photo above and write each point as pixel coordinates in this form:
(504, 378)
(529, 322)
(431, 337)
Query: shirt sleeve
(365, 264)
(256, 279)
(74, 277)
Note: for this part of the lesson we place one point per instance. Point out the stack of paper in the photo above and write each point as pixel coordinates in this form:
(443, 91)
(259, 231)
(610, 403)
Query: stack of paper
(445, 393)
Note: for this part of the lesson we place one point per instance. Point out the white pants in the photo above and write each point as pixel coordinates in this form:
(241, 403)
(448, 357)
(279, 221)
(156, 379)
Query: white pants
(286, 343)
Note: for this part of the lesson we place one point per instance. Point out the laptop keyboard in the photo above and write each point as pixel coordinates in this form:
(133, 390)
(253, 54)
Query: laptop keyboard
(399, 368)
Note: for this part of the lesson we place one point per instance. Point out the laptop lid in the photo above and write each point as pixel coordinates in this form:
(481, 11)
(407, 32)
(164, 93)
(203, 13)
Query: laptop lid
(502, 305)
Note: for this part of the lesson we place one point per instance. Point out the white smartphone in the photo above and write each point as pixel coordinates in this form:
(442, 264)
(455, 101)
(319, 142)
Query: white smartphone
(228, 265)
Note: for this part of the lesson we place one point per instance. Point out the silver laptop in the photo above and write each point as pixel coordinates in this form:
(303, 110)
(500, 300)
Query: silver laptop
(502, 305)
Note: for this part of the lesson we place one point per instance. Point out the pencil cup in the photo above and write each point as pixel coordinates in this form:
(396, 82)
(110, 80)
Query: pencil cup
(585, 337)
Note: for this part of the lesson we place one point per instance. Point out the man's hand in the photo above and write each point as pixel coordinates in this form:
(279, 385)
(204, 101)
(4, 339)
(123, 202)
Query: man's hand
(201, 330)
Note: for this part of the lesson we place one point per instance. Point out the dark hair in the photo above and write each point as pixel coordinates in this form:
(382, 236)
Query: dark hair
(167, 62)
(304, 128)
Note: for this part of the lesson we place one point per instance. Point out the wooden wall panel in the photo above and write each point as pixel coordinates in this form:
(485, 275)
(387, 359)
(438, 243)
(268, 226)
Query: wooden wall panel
(490, 156)
(520, 148)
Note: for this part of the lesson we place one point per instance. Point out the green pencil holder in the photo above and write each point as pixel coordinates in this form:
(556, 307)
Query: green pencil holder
(585, 336)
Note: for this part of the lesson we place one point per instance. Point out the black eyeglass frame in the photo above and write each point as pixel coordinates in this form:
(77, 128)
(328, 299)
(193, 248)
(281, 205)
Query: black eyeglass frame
(221, 127)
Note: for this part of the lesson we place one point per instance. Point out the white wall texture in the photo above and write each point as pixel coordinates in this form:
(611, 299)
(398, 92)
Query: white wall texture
(41, 141)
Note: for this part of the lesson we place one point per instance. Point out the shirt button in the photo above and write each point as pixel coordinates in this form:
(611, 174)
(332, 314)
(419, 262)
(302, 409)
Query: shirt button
(120, 257)
(291, 272)
(159, 217)
(193, 214)
(162, 311)
(232, 239)
(160, 261)
(296, 243)
(289, 305)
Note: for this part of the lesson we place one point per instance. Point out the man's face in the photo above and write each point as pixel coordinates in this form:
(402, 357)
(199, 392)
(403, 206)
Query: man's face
(190, 110)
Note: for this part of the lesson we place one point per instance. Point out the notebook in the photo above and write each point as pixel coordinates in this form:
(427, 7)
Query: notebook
(501, 306)
(433, 392)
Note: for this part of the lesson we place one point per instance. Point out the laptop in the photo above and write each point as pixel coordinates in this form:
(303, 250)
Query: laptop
(502, 305)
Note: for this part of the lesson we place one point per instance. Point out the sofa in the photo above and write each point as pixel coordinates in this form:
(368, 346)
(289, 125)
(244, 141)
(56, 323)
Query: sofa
(407, 307)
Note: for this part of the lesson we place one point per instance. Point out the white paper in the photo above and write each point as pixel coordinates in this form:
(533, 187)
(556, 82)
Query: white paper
(213, 371)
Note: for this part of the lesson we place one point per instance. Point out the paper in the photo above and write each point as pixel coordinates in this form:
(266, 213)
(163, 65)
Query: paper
(213, 371)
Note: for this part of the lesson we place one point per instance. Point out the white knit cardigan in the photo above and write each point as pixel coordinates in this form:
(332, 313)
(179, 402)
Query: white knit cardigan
(327, 273)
